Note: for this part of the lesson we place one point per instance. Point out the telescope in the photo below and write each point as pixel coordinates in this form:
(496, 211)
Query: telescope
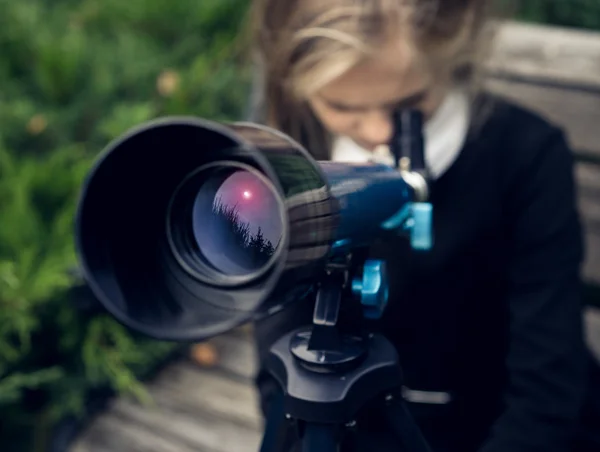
(187, 228)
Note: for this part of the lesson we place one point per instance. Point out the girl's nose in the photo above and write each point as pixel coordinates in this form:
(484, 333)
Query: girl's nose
(376, 128)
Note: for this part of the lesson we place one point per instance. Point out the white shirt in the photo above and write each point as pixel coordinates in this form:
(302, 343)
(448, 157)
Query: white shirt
(444, 134)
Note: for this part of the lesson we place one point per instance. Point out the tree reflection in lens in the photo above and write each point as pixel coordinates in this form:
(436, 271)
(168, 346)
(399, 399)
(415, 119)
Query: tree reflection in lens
(244, 228)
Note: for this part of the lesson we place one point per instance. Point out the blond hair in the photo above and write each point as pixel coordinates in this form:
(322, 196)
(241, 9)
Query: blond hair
(301, 45)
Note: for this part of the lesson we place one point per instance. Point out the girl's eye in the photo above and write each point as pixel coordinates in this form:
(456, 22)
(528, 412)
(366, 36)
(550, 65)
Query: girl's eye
(344, 109)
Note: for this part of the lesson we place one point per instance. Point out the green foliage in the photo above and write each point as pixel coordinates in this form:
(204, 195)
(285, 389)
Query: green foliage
(46, 345)
(114, 64)
(568, 13)
(73, 76)
(36, 251)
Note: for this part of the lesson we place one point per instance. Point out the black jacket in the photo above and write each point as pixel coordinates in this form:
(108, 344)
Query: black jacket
(492, 315)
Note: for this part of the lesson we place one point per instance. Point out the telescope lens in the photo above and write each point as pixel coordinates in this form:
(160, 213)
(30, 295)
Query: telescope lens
(236, 222)
(232, 226)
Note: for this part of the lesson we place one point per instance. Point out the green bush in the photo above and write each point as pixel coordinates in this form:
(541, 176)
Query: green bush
(569, 13)
(73, 76)
(83, 72)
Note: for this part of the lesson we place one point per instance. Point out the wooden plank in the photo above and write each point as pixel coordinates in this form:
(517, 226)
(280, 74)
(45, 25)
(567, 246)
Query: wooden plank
(127, 426)
(591, 268)
(237, 354)
(554, 71)
(578, 112)
(111, 434)
(194, 408)
(588, 186)
(592, 333)
(588, 180)
(184, 387)
(202, 431)
(546, 54)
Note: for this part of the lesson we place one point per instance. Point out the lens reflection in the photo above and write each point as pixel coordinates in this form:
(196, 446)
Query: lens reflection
(236, 222)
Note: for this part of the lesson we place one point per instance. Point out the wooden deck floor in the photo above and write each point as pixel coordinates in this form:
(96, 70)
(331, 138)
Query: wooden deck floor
(195, 409)
(202, 409)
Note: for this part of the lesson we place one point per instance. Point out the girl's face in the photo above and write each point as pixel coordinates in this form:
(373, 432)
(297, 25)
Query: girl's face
(359, 104)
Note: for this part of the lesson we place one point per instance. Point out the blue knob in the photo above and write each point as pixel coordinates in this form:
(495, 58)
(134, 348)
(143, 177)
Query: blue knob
(421, 236)
(414, 219)
(372, 288)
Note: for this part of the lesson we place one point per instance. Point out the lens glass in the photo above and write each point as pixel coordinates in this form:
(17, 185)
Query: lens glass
(237, 223)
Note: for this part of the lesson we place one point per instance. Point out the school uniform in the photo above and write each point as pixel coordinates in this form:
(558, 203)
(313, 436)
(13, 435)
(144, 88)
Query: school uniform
(488, 323)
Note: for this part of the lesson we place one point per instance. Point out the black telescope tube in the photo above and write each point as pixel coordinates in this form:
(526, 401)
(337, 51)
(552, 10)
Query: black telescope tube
(134, 209)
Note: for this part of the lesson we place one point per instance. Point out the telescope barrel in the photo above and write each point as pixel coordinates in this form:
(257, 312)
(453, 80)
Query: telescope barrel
(367, 195)
(187, 228)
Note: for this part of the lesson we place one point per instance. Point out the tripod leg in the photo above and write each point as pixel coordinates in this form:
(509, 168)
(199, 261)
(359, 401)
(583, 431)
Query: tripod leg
(276, 437)
(404, 426)
(319, 438)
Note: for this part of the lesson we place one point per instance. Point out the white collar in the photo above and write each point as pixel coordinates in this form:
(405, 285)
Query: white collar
(445, 134)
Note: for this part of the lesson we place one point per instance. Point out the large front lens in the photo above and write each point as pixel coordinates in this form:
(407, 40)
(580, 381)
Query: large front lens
(236, 221)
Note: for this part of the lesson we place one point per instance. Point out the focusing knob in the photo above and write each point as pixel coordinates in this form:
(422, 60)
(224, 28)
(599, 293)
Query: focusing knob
(421, 233)
(415, 220)
(372, 288)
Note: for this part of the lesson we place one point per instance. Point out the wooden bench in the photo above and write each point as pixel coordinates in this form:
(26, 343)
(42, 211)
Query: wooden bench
(556, 72)
(553, 71)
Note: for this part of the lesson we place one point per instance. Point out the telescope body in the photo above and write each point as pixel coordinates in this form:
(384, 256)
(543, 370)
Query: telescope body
(187, 228)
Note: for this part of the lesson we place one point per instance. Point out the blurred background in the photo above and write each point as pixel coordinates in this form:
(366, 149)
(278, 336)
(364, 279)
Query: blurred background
(73, 76)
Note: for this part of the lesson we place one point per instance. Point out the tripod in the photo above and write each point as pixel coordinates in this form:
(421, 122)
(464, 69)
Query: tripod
(328, 374)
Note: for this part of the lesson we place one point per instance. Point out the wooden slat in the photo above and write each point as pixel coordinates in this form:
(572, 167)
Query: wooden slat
(200, 409)
(236, 354)
(184, 387)
(552, 70)
(110, 434)
(589, 196)
(591, 268)
(200, 430)
(588, 179)
(588, 186)
(547, 54)
(592, 324)
(578, 112)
